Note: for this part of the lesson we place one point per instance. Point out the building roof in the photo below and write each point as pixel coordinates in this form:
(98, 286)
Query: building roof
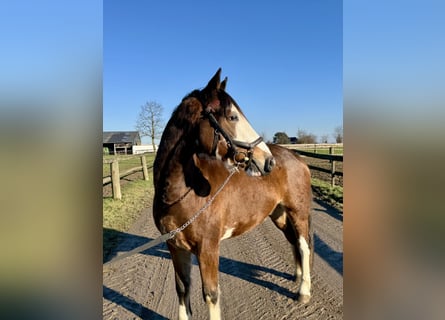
(120, 136)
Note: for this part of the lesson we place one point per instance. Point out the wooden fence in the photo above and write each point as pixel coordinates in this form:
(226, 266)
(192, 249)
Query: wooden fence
(116, 176)
(331, 157)
(316, 147)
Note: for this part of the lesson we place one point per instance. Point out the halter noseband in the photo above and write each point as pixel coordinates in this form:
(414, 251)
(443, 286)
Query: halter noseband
(231, 143)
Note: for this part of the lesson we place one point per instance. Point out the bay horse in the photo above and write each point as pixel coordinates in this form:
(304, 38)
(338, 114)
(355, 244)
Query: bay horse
(215, 179)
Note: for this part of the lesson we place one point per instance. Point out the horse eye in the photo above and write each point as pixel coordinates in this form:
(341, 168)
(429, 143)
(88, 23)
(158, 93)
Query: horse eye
(233, 118)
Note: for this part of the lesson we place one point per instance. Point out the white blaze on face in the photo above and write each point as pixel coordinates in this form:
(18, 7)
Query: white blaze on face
(245, 132)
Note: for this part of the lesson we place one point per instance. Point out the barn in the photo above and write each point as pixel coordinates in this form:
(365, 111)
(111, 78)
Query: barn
(120, 142)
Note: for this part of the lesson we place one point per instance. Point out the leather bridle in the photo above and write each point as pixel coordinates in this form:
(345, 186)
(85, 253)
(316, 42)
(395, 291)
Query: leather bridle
(232, 143)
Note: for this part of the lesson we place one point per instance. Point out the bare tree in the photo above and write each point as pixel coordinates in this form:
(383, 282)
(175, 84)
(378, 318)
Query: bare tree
(324, 138)
(149, 122)
(305, 137)
(338, 134)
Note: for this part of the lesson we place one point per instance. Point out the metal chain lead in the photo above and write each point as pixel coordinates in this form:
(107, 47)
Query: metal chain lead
(206, 205)
(172, 233)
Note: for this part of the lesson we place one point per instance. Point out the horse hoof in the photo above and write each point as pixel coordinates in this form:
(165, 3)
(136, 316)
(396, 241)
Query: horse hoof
(304, 298)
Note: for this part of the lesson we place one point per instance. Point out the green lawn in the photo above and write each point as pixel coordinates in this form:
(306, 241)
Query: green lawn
(324, 191)
(119, 215)
(127, 162)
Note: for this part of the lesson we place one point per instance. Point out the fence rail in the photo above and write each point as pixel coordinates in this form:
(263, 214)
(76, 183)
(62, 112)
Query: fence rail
(332, 158)
(116, 176)
(313, 146)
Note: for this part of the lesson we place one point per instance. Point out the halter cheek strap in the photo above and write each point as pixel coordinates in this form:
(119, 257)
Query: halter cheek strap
(230, 142)
(215, 141)
(219, 130)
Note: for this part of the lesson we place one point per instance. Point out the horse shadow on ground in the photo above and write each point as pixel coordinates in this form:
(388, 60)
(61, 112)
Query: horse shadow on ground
(328, 209)
(246, 271)
(131, 305)
(254, 274)
(242, 270)
(332, 257)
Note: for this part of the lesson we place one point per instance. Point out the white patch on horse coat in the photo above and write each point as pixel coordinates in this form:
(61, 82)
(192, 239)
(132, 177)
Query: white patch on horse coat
(214, 309)
(298, 270)
(182, 315)
(253, 173)
(305, 288)
(263, 146)
(244, 131)
(228, 233)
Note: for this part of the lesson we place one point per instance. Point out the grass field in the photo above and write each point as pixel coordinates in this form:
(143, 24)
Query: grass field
(126, 162)
(324, 191)
(137, 194)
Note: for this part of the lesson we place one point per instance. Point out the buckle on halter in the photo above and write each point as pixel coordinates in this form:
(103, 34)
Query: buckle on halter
(241, 157)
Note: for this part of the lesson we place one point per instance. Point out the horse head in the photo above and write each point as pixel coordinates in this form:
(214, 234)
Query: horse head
(225, 132)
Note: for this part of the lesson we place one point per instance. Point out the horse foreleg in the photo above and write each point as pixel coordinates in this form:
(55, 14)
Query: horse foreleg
(305, 287)
(208, 258)
(303, 252)
(182, 264)
(306, 250)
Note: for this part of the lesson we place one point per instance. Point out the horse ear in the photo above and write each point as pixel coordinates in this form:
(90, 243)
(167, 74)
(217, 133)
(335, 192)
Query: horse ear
(210, 92)
(223, 84)
(215, 82)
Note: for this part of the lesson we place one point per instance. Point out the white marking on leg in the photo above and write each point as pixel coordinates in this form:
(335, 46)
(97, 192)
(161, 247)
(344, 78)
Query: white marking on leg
(214, 309)
(305, 288)
(228, 233)
(183, 315)
(298, 270)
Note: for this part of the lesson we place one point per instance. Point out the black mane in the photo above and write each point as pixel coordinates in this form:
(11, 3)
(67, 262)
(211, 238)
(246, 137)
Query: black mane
(182, 123)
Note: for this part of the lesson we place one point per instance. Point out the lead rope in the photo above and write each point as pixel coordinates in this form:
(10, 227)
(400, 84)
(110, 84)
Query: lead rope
(173, 233)
(206, 205)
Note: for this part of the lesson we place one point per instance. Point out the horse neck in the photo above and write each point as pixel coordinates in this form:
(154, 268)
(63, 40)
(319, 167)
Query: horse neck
(170, 163)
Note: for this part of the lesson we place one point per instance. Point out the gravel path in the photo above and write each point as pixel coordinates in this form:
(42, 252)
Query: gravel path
(256, 275)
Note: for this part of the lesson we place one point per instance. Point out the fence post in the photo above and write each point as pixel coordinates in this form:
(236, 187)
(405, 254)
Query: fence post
(332, 168)
(115, 180)
(144, 167)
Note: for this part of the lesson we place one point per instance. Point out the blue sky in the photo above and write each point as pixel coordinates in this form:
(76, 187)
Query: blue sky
(283, 60)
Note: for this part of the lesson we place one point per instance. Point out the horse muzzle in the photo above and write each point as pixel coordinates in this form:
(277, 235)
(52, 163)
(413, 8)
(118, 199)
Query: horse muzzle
(256, 169)
(269, 165)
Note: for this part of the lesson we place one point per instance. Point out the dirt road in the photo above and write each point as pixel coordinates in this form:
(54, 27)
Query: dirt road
(256, 275)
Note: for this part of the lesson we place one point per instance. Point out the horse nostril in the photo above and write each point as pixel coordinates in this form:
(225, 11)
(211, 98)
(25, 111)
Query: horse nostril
(270, 163)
